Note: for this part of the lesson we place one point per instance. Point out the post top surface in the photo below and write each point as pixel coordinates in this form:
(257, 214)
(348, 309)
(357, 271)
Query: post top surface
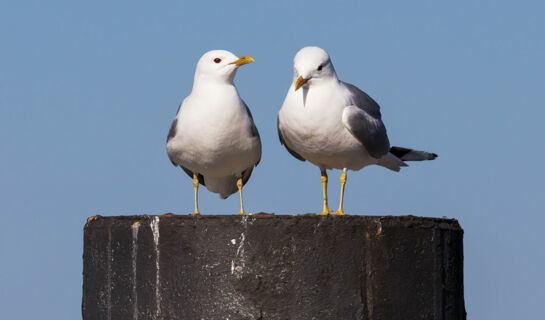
(402, 221)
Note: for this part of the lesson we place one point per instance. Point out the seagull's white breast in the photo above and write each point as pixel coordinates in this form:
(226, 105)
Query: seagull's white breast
(311, 123)
(213, 136)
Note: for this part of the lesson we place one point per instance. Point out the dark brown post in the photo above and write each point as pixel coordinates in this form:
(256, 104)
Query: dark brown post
(272, 267)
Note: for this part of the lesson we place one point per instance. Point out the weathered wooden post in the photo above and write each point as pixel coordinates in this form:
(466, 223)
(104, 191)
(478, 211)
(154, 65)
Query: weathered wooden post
(272, 267)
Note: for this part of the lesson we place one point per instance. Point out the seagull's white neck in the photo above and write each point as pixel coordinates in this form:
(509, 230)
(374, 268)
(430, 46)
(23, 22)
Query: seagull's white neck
(224, 76)
(221, 89)
(202, 83)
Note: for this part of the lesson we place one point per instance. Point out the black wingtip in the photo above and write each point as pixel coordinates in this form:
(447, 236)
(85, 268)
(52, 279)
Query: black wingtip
(407, 154)
(399, 151)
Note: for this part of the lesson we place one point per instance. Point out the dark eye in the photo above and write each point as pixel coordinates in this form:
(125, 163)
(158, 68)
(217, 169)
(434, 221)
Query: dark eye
(217, 60)
(320, 68)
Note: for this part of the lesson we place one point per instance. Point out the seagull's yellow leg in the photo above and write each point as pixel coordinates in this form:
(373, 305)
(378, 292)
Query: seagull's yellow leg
(340, 211)
(325, 210)
(239, 186)
(196, 187)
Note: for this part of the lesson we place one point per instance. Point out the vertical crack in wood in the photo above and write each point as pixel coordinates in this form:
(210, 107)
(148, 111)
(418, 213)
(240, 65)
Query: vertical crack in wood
(154, 226)
(368, 270)
(134, 254)
(445, 293)
(438, 278)
(109, 273)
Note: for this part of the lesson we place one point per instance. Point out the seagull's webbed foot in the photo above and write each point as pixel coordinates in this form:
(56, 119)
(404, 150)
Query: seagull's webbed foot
(326, 211)
(239, 186)
(342, 179)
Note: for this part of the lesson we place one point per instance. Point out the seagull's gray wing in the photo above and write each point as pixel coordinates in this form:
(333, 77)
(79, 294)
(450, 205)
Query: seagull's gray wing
(253, 133)
(283, 142)
(173, 129)
(363, 120)
(171, 134)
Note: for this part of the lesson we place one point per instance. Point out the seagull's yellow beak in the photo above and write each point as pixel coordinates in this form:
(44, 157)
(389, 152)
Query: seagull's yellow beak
(242, 60)
(300, 82)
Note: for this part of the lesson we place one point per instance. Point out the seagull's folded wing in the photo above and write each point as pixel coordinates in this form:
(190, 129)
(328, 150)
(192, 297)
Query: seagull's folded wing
(363, 120)
(368, 130)
(252, 130)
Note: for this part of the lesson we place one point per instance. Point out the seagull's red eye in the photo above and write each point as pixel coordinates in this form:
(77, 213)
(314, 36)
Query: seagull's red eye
(217, 60)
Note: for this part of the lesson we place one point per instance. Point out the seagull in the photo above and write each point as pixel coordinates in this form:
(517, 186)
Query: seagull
(335, 125)
(213, 137)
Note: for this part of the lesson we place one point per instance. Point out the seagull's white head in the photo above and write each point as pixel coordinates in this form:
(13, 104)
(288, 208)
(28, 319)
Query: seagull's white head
(312, 65)
(219, 66)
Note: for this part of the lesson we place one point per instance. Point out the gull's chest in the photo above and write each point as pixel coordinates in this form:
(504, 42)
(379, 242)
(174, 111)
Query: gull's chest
(213, 123)
(210, 139)
(316, 117)
(314, 129)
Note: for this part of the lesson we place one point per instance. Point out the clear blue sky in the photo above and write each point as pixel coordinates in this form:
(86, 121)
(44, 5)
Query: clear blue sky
(88, 91)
